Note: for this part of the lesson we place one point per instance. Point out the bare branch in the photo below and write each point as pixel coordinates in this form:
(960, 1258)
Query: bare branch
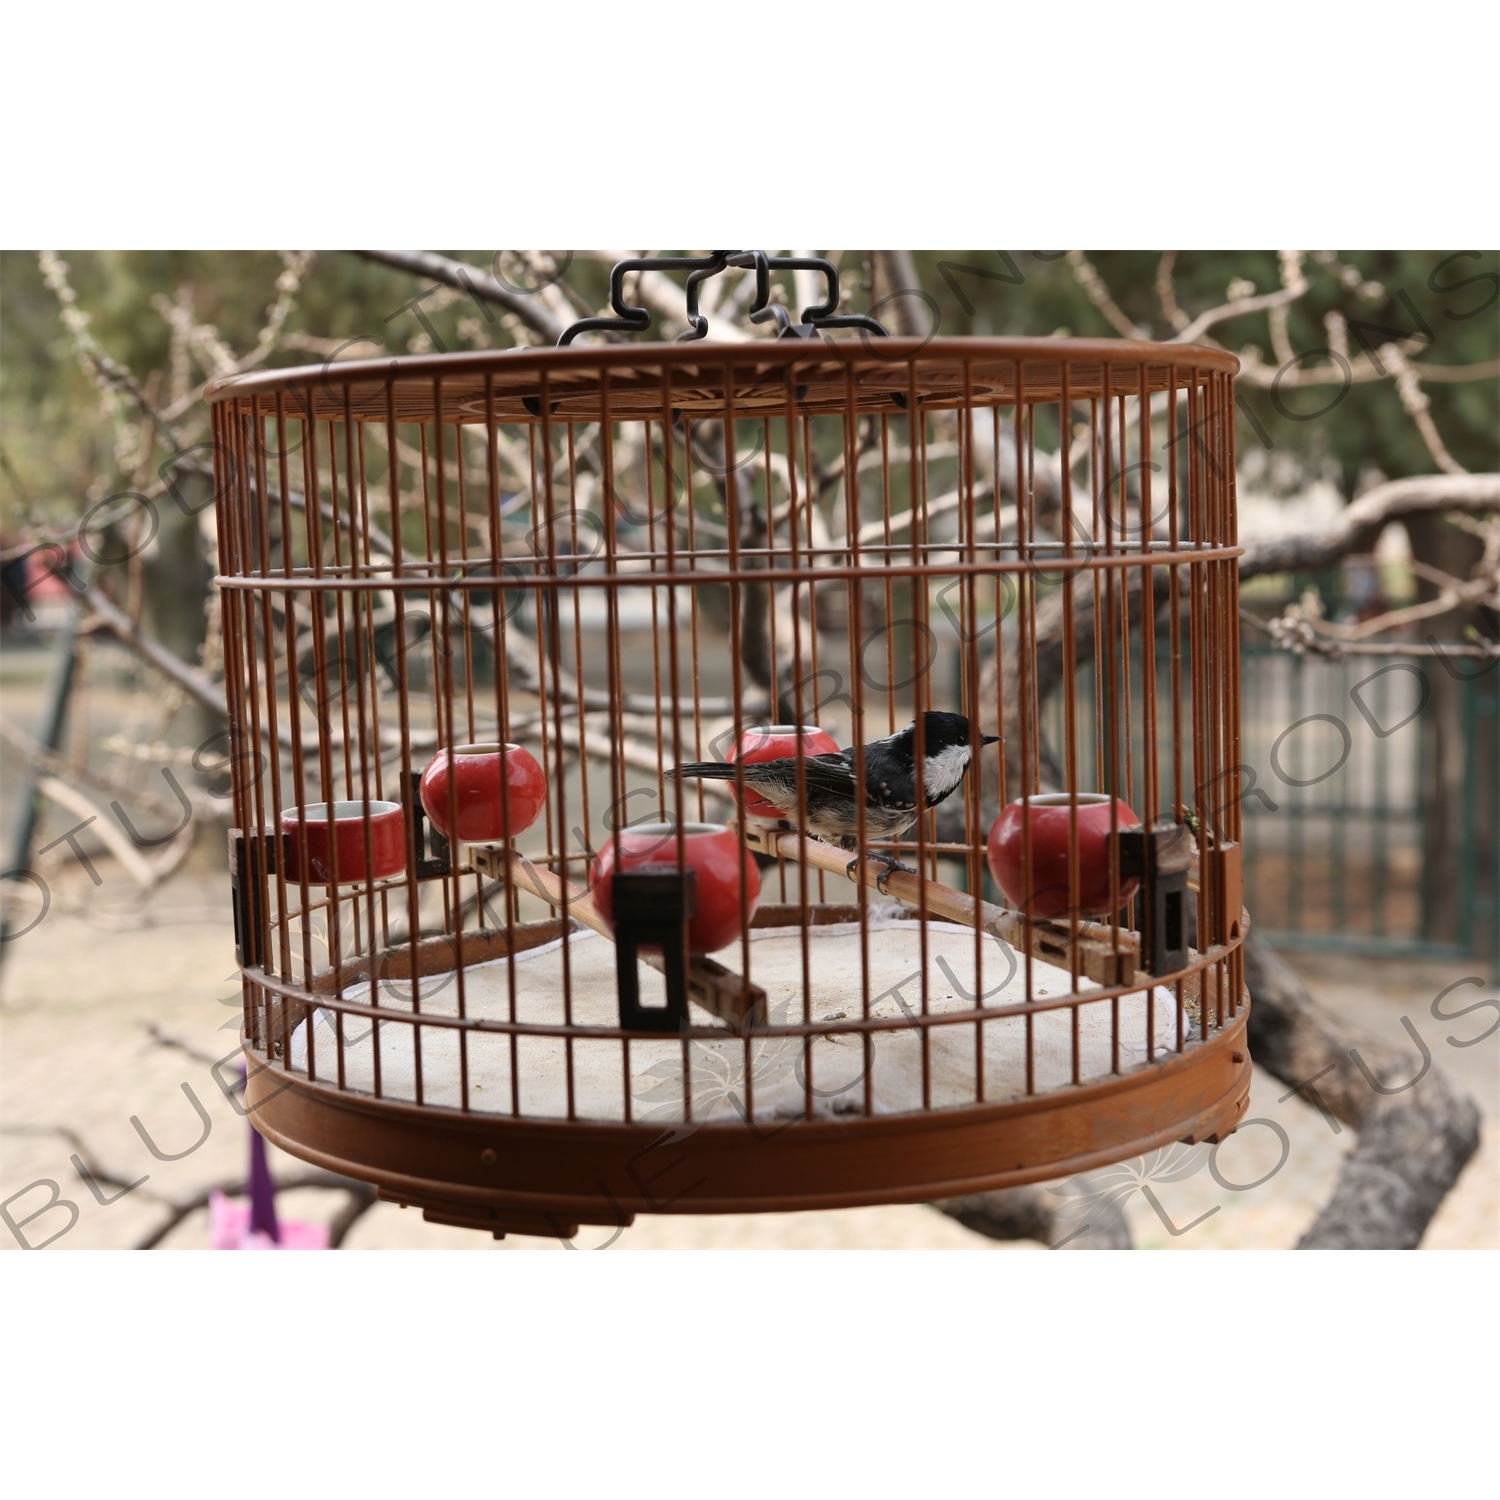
(1098, 293)
(1167, 293)
(1362, 522)
(168, 663)
(1490, 370)
(1414, 400)
(1293, 285)
(899, 273)
(1412, 1144)
(470, 279)
(1308, 641)
(44, 762)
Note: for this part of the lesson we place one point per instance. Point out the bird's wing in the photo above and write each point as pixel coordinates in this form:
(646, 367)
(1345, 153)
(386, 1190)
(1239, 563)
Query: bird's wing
(838, 772)
(829, 781)
(833, 772)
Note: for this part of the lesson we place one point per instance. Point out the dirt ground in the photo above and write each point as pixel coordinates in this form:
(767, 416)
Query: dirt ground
(113, 1008)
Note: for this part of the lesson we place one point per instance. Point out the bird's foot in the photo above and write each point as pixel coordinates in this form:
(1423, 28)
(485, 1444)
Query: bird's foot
(891, 866)
(891, 863)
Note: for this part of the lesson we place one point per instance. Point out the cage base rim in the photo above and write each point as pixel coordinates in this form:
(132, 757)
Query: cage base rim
(474, 1169)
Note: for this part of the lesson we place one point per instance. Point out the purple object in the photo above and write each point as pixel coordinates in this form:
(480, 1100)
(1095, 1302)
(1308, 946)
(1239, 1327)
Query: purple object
(237, 1225)
(262, 1191)
(229, 1229)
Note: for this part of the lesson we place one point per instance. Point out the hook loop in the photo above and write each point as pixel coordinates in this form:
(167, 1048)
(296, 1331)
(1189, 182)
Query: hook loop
(700, 268)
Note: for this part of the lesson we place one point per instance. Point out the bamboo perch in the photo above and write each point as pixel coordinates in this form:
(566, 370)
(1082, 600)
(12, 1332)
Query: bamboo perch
(727, 995)
(718, 990)
(1107, 955)
(1101, 958)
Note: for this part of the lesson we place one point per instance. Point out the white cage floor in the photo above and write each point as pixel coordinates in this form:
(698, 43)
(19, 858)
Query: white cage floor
(724, 1075)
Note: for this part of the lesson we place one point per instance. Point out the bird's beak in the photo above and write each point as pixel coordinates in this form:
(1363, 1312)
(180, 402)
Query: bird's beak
(989, 739)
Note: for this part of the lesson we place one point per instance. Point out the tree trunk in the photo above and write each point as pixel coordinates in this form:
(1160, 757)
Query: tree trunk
(1416, 1131)
(1028, 1213)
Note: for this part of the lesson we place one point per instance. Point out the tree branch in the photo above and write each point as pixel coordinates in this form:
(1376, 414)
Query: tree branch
(1293, 284)
(1099, 294)
(1412, 1144)
(166, 662)
(1358, 527)
(1362, 522)
(1029, 1213)
(1166, 291)
(473, 280)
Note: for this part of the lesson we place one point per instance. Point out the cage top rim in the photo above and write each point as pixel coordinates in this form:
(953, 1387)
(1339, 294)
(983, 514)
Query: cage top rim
(765, 354)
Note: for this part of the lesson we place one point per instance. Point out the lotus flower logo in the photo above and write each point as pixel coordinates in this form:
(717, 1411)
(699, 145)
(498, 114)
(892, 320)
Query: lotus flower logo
(1099, 1198)
(715, 1073)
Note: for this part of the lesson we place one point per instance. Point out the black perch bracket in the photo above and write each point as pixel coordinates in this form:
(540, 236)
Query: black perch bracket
(1160, 857)
(244, 897)
(247, 853)
(652, 908)
(438, 862)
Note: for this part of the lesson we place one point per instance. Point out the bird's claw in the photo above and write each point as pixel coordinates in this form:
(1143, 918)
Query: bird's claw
(891, 863)
(890, 869)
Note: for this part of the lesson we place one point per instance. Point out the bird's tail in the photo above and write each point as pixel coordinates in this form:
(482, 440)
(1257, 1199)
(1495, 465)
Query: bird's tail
(704, 770)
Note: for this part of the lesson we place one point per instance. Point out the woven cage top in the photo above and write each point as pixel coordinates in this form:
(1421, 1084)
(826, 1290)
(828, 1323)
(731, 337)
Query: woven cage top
(762, 377)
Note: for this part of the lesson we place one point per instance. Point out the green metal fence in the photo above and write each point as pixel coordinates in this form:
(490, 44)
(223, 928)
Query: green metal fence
(1366, 821)
(1370, 796)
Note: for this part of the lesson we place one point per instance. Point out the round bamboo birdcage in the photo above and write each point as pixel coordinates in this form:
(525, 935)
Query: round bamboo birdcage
(628, 556)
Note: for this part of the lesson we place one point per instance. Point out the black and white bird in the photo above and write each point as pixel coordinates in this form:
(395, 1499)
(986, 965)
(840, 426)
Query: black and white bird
(892, 804)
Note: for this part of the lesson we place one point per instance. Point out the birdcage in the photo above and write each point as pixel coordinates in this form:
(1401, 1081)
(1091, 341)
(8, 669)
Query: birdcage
(498, 960)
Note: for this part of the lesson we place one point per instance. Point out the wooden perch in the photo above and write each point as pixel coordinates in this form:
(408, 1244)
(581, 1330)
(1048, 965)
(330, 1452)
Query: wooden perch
(1100, 957)
(718, 990)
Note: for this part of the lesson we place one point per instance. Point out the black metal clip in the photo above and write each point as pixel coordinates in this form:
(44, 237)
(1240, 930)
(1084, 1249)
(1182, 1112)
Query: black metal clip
(1160, 856)
(439, 862)
(245, 895)
(638, 319)
(700, 268)
(652, 908)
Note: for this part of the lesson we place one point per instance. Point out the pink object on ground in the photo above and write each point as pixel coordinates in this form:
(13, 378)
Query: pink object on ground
(229, 1229)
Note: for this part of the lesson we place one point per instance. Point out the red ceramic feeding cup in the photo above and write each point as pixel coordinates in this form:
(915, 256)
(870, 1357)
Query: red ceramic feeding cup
(317, 833)
(723, 865)
(476, 775)
(776, 742)
(1050, 834)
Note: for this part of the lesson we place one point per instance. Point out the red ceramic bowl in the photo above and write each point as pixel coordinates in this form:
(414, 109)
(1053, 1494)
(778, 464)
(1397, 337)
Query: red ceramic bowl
(1050, 819)
(722, 864)
(476, 778)
(778, 742)
(315, 836)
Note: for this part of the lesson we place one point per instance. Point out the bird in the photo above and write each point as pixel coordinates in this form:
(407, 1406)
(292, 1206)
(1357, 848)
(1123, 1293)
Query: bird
(890, 766)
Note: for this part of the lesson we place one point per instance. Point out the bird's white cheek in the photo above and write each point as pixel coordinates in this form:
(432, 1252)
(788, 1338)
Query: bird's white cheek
(945, 770)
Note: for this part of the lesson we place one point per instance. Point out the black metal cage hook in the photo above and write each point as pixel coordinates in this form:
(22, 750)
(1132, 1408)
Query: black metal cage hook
(700, 268)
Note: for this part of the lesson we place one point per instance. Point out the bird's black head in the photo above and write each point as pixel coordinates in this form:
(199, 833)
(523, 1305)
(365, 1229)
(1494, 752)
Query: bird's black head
(941, 731)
